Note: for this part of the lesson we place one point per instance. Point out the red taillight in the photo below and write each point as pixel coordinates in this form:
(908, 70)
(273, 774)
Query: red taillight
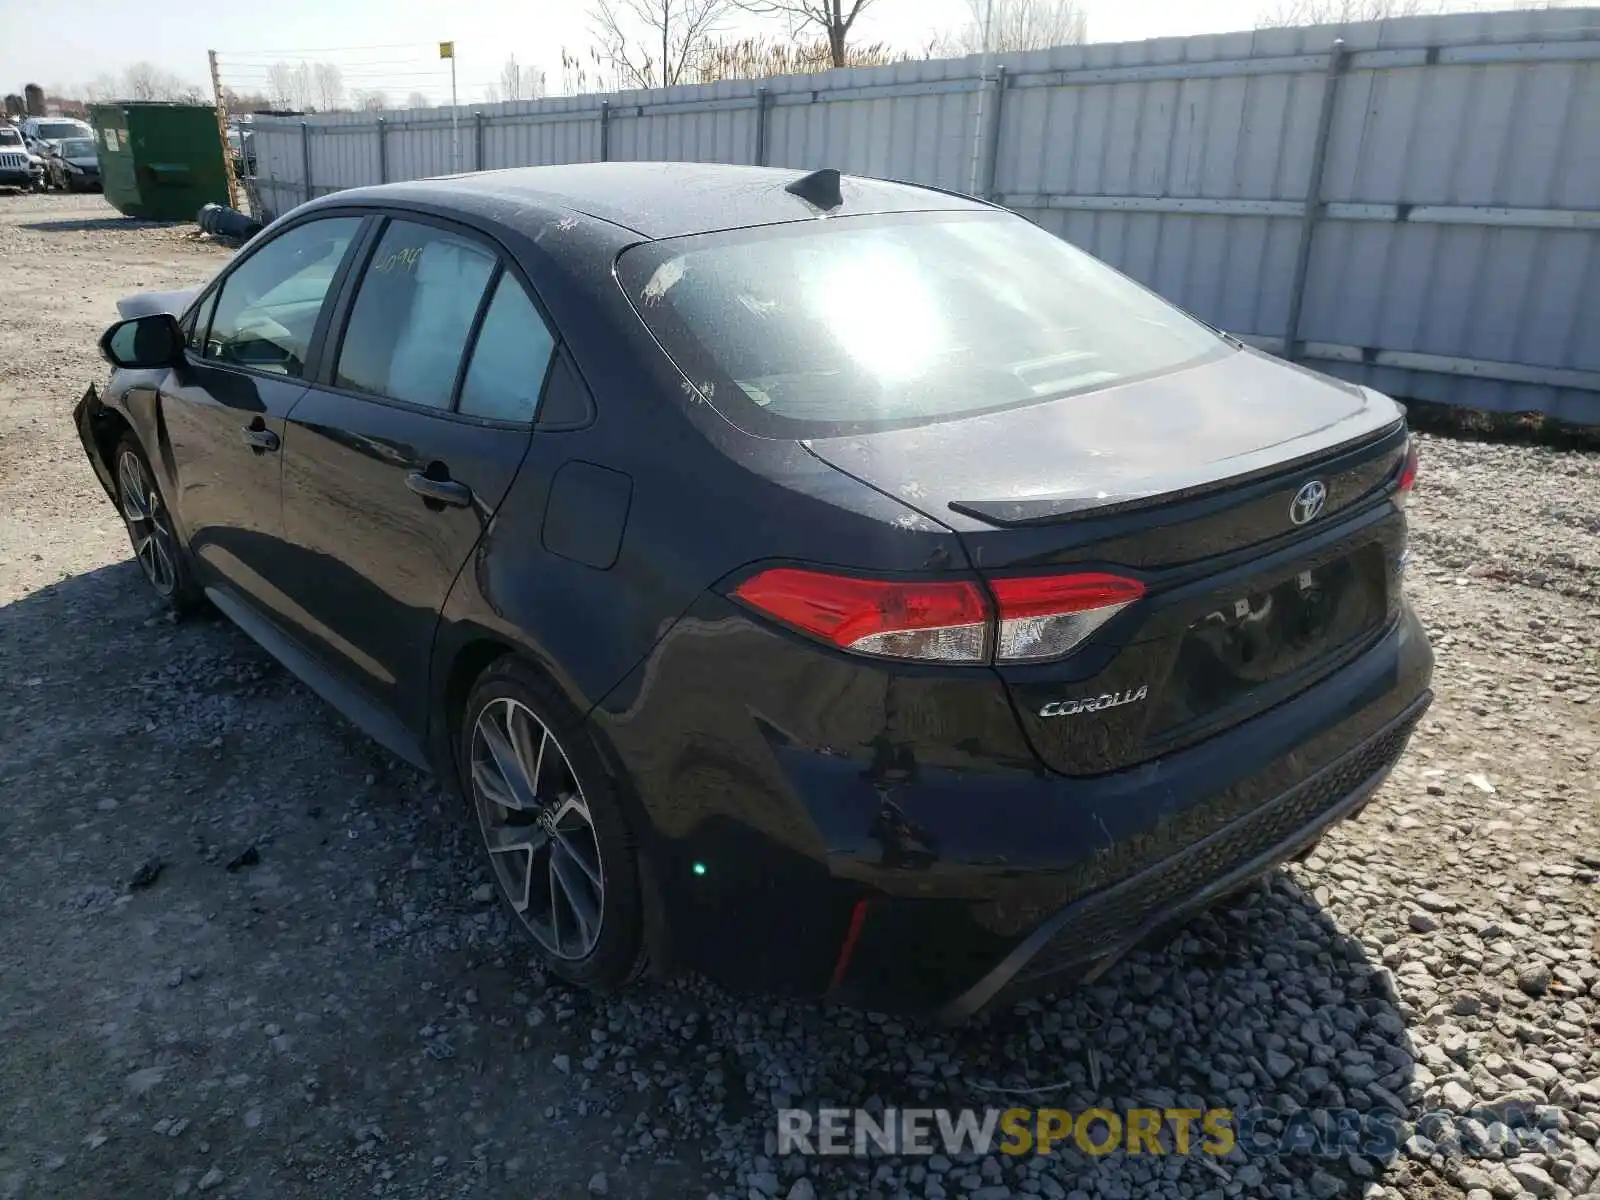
(1045, 616)
(1408, 474)
(937, 621)
(1041, 617)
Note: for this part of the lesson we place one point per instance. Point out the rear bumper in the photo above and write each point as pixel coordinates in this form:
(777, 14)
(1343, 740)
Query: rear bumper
(868, 871)
(1090, 935)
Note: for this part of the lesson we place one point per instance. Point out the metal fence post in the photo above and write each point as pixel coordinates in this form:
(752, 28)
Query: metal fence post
(763, 103)
(383, 151)
(991, 134)
(305, 155)
(477, 141)
(1338, 59)
(605, 131)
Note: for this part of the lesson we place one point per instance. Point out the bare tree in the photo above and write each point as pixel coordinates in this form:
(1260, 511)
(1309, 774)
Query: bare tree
(578, 76)
(1023, 25)
(239, 102)
(656, 43)
(146, 81)
(511, 79)
(418, 100)
(759, 57)
(291, 85)
(103, 86)
(1340, 12)
(143, 81)
(280, 84)
(832, 19)
(328, 83)
(371, 99)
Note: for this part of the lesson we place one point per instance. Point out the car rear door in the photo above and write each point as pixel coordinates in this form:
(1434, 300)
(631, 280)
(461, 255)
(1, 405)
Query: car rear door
(250, 345)
(397, 459)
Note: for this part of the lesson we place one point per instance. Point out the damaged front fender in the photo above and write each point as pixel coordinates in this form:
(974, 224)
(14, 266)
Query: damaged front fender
(88, 411)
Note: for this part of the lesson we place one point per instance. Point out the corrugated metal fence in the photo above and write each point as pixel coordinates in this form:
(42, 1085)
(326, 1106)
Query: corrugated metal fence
(1452, 252)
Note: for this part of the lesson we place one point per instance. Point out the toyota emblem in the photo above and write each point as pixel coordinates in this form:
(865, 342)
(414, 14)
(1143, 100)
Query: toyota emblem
(1308, 502)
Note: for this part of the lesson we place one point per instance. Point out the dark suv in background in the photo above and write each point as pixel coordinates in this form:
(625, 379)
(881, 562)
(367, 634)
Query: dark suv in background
(73, 165)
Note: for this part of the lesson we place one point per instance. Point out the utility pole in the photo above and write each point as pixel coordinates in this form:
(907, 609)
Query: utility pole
(448, 50)
(983, 92)
(222, 131)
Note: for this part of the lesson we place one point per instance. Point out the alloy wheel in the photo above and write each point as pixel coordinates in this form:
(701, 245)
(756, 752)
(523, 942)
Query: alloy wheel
(538, 830)
(149, 527)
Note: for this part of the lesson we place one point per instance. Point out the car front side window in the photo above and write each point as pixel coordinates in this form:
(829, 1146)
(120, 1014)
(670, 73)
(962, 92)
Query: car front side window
(267, 309)
(413, 313)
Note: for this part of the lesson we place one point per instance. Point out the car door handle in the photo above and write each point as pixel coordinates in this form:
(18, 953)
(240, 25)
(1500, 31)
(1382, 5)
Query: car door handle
(441, 491)
(259, 437)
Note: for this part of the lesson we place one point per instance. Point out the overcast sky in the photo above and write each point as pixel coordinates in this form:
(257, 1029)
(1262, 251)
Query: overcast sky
(391, 43)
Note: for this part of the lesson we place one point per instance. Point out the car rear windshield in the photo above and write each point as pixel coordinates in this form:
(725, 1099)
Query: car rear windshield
(58, 129)
(846, 325)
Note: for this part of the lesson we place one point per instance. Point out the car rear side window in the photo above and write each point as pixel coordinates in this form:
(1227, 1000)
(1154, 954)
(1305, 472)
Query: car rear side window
(267, 309)
(413, 314)
(820, 328)
(509, 358)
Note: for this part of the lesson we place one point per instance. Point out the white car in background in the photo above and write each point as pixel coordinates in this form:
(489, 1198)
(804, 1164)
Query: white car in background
(19, 166)
(36, 131)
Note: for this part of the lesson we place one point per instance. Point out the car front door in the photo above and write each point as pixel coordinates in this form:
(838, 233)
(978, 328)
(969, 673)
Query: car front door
(397, 458)
(250, 342)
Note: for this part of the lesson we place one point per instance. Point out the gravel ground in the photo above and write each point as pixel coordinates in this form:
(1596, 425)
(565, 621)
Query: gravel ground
(247, 954)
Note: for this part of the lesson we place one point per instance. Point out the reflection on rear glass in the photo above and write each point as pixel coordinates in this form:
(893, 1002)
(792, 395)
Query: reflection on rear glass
(910, 320)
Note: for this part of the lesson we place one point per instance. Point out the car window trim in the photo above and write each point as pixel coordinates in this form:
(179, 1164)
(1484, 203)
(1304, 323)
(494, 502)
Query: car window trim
(318, 332)
(190, 320)
(319, 335)
(344, 301)
(505, 262)
(470, 346)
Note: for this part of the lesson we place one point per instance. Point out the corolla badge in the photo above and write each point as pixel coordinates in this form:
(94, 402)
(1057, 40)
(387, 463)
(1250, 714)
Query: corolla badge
(1308, 502)
(1088, 704)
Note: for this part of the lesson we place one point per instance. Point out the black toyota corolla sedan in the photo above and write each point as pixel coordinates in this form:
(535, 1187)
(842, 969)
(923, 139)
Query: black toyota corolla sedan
(839, 587)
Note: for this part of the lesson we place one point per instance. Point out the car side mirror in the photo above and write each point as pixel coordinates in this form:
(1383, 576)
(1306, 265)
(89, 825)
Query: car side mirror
(144, 343)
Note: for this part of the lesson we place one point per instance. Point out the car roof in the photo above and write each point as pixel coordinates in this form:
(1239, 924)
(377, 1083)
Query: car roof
(662, 199)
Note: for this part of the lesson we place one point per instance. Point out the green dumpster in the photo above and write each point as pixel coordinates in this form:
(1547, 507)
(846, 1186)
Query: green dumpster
(159, 161)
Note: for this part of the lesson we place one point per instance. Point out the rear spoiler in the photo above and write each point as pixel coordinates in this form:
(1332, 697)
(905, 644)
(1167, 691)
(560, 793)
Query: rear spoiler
(1041, 510)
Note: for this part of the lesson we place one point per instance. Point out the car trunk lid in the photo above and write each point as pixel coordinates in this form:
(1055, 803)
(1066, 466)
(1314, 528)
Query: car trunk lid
(1137, 445)
(1186, 483)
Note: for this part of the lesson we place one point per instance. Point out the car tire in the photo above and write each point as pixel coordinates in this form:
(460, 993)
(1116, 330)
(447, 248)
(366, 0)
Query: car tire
(556, 836)
(156, 547)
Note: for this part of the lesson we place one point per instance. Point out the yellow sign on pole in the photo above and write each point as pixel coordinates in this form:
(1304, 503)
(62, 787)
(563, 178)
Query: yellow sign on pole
(447, 49)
